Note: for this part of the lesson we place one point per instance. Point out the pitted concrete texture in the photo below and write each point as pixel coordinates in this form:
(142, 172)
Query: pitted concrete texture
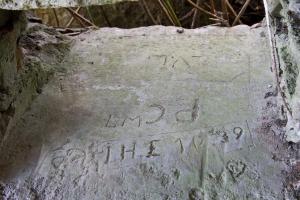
(34, 4)
(153, 114)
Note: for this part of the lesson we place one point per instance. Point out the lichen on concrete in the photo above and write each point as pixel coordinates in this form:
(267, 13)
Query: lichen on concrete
(286, 28)
(286, 21)
(291, 70)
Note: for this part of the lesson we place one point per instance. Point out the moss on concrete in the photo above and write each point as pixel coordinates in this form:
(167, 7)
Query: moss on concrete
(291, 70)
(286, 21)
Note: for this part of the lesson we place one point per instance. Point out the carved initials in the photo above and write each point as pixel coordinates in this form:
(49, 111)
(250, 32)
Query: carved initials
(152, 148)
(162, 110)
(194, 113)
(133, 119)
(123, 151)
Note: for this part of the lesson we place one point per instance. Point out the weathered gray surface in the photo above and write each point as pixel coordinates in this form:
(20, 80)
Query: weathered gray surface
(286, 17)
(29, 54)
(274, 7)
(33, 4)
(286, 20)
(152, 114)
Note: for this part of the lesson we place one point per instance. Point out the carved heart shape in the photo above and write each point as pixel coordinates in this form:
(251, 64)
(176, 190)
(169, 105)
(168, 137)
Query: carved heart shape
(236, 168)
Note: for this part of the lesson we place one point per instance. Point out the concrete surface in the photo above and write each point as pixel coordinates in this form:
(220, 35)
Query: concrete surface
(29, 54)
(274, 7)
(152, 114)
(34, 4)
(286, 28)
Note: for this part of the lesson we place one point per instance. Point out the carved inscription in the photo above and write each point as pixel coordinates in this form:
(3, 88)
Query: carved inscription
(107, 155)
(172, 61)
(236, 168)
(123, 151)
(236, 131)
(104, 153)
(194, 113)
(152, 148)
(109, 122)
(88, 158)
(181, 145)
(117, 151)
(138, 118)
(187, 115)
(162, 113)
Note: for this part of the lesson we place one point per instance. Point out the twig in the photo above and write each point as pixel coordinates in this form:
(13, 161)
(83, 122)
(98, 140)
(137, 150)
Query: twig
(148, 12)
(71, 30)
(34, 19)
(203, 10)
(105, 16)
(56, 17)
(232, 10)
(82, 24)
(216, 24)
(212, 5)
(241, 12)
(80, 17)
(172, 12)
(89, 14)
(206, 4)
(72, 19)
(225, 11)
(218, 20)
(196, 13)
(190, 13)
(73, 34)
(166, 12)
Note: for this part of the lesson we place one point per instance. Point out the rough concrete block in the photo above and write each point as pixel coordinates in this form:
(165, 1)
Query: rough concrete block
(152, 114)
(274, 7)
(34, 4)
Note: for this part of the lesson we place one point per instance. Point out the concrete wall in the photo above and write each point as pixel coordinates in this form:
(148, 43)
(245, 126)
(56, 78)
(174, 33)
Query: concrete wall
(33, 4)
(11, 27)
(285, 17)
(29, 53)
